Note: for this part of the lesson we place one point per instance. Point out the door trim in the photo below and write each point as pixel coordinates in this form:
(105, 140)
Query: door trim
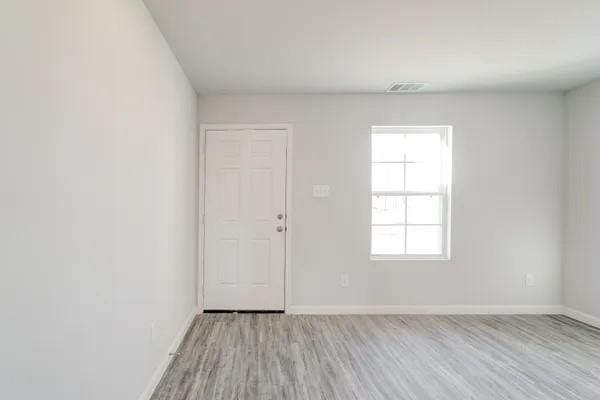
(201, 168)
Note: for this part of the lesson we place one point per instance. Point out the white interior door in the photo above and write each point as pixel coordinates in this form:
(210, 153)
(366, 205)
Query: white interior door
(245, 219)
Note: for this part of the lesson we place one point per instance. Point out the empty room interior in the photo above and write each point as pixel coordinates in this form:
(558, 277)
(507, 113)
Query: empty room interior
(300, 199)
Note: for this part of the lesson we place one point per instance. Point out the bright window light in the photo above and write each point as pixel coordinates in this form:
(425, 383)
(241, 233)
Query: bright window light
(411, 170)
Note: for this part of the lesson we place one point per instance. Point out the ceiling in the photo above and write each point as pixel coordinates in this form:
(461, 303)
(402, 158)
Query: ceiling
(362, 46)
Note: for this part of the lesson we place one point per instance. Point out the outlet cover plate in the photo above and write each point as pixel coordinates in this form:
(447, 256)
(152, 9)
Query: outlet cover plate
(529, 280)
(345, 280)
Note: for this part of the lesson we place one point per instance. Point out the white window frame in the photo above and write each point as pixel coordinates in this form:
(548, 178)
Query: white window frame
(445, 132)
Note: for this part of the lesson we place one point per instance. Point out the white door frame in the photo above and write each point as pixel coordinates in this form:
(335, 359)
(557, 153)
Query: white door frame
(202, 195)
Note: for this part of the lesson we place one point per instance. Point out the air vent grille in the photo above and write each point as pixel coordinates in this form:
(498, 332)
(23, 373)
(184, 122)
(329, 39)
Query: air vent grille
(406, 87)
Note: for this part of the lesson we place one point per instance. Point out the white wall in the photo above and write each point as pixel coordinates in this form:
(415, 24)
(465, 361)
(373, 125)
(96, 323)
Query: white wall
(582, 271)
(507, 197)
(97, 199)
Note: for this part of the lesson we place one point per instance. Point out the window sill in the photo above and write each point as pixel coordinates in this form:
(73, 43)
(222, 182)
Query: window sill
(409, 258)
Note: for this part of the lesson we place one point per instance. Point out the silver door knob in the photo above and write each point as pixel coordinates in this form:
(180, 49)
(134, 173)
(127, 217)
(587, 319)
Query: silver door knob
(279, 216)
(280, 229)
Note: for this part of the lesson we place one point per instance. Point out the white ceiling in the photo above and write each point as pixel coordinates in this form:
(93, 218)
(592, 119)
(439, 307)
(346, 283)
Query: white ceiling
(360, 46)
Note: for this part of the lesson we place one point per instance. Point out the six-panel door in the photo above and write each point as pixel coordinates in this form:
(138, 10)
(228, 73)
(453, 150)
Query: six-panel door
(245, 219)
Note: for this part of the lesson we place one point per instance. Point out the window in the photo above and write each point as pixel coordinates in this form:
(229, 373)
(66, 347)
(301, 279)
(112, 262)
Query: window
(410, 192)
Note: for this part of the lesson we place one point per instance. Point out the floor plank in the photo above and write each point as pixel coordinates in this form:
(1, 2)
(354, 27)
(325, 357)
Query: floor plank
(363, 357)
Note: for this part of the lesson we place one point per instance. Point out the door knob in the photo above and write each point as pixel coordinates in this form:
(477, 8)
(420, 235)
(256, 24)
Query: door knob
(280, 229)
(279, 216)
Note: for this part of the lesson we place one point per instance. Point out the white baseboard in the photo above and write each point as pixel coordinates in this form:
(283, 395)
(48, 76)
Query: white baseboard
(428, 310)
(582, 317)
(162, 367)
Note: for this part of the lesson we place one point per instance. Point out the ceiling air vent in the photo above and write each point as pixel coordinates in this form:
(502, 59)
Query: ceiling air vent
(406, 87)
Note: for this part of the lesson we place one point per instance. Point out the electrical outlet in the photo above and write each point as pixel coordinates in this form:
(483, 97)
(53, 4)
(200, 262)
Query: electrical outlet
(153, 332)
(529, 280)
(345, 280)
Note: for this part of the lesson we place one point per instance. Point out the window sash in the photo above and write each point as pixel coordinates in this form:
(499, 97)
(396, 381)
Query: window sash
(443, 227)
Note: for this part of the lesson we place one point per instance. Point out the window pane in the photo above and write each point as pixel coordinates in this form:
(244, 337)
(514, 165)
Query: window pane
(424, 240)
(423, 152)
(387, 177)
(423, 147)
(387, 147)
(423, 176)
(424, 210)
(388, 209)
(387, 240)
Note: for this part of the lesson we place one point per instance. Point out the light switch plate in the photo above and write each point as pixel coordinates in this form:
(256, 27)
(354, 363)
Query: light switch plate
(320, 191)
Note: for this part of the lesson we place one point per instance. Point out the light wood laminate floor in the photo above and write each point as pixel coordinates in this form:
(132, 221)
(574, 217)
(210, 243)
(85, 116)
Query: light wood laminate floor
(276, 356)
